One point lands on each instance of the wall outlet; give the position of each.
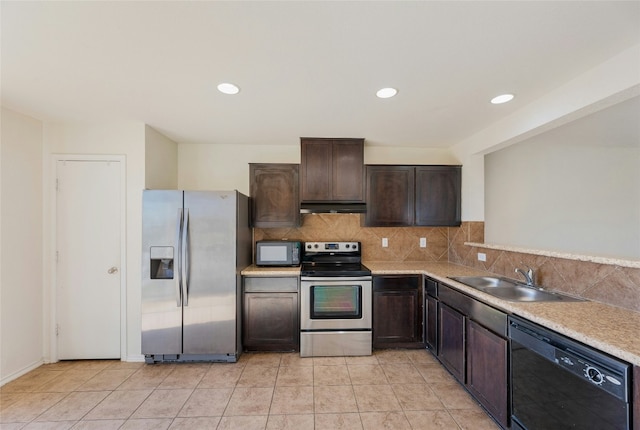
(482, 256)
(423, 242)
(385, 242)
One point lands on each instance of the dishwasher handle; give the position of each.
(532, 340)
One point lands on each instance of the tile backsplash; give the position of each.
(404, 242)
(606, 283)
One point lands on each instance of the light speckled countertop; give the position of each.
(254, 270)
(607, 328)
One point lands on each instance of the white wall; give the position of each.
(119, 138)
(220, 167)
(607, 84)
(569, 190)
(225, 167)
(403, 155)
(21, 258)
(161, 161)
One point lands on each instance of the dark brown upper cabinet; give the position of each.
(438, 195)
(390, 196)
(332, 170)
(274, 195)
(413, 195)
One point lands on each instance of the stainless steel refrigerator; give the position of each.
(194, 245)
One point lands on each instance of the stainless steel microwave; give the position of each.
(278, 253)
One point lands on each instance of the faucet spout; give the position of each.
(529, 275)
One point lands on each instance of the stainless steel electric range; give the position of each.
(335, 301)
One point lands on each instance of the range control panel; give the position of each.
(332, 246)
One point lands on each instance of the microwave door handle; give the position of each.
(185, 258)
(178, 269)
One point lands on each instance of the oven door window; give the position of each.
(336, 302)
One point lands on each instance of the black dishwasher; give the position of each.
(558, 383)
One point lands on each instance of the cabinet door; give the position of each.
(438, 191)
(348, 170)
(636, 397)
(397, 312)
(332, 170)
(315, 170)
(451, 341)
(271, 322)
(390, 196)
(487, 374)
(274, 195)
(431, 323)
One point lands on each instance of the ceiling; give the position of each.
(304, 68)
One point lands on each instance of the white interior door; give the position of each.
(88, 259)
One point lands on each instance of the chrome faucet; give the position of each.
(529, 275)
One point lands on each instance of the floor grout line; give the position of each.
(390, 365)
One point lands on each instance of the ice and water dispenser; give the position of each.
(162, 262)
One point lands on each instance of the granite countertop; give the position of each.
(254, 270)
(613, 330)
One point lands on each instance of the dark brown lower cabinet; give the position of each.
(473, 346)
(271, 322)
(451, 348)
(270, 315)
(487, 377)
(397, 311)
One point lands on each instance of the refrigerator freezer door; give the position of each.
(210, 306)
(161, 298)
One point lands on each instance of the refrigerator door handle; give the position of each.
(185, 258)
(178, 278)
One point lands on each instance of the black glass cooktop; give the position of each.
(334, 269)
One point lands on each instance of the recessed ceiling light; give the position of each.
(228, 88)
(386, 93)
(502, 99)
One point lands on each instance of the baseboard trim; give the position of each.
(135, 358)
(23, 371)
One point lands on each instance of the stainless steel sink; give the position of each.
(481, 282)
(511, 290)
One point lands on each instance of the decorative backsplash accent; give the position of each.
(605, 283)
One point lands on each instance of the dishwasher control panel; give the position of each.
(609, 380)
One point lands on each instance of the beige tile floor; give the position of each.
(392, 389)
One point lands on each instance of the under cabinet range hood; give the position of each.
(333, 208)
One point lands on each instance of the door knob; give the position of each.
(112, 270)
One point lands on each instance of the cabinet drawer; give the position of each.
(455, 299)
(491, 318)
(396, 282)
(431, 287)
(269, 284)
